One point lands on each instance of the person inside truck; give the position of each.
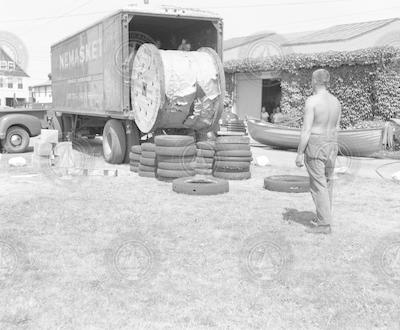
(185, 46)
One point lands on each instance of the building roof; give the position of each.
(46, 83)
(17, 72)
(241, 41)
(340, 32)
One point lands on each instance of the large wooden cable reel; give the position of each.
(177, 89)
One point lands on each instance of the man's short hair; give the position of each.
(321, 77)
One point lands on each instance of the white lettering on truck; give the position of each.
(78, 56)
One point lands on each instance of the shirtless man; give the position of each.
(318, 148)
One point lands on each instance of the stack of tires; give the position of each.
(233, 158)
(147, 167)
(205, 158)
(175, 156)
(134, 158)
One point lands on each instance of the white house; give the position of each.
(13, 82)
(41, 93)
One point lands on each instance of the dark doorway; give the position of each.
(271, 96)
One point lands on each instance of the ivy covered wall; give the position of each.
(367, 82)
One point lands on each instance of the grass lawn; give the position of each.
(128, 253)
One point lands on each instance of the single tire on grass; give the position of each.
(232, 175)
(148, 161)
(205, 153)
(173, 140)
(136, 149)
(174, 174)
(234, 153)
(200, 186)
(148, 147)
(187, 151)
(176, 166)
(287, 183)
(148, 154)
(227, 147)
(114, 142)
(144, 168)
(233, 139)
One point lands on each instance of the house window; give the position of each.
(3, 65)
(20, 85)
(10, 83)
(1, 82)
(11, 65)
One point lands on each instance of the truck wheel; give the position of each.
(114, 142)
(16, 141)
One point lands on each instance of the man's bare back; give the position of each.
(327, 111)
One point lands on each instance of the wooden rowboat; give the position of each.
(358, 142)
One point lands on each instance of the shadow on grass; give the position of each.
(301, 217)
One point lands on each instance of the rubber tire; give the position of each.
(233, 159)
(134, 168)
(189, 150)
(172, 159)
(200, 171)
(231, 146)
(134, 163)
(148, 147)
(24, 135)
(136, 149)
(173, 140)
(205, 153)
(205, 145)
(234, 165)
(193, 186)
(174, 174)
(160, 178)
(232, 176)
(117, 149)
(234, 153)
(148, 154)
(205, 160)
(148, 161)
(287, 183)
(145, 168)
(203, 166)
(233, 139)
(147, 174)
(134, 157)
(176, 166)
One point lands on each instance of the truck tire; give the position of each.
(205, 153)
(176, 159)
(145, 168)
(287, 183)
(233, 165)
(204, 160)
(148, 154)
(176, 166)
(200, 186)
(136, 149)
(175, 173)
(173, 140)
(231, 146)
(134, 157)
(114, 142)
(233, 139)
(232, 175)
(233, 159)
(148, 147)
(16, 141)
(205, 145)
(200, 171)
(148, 161)
(185, 151)
(234, 153)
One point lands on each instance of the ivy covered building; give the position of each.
(367, 81)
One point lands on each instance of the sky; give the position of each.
(40, 23)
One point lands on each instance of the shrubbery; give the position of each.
(367, 82)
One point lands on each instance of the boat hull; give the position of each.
(357, 143)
